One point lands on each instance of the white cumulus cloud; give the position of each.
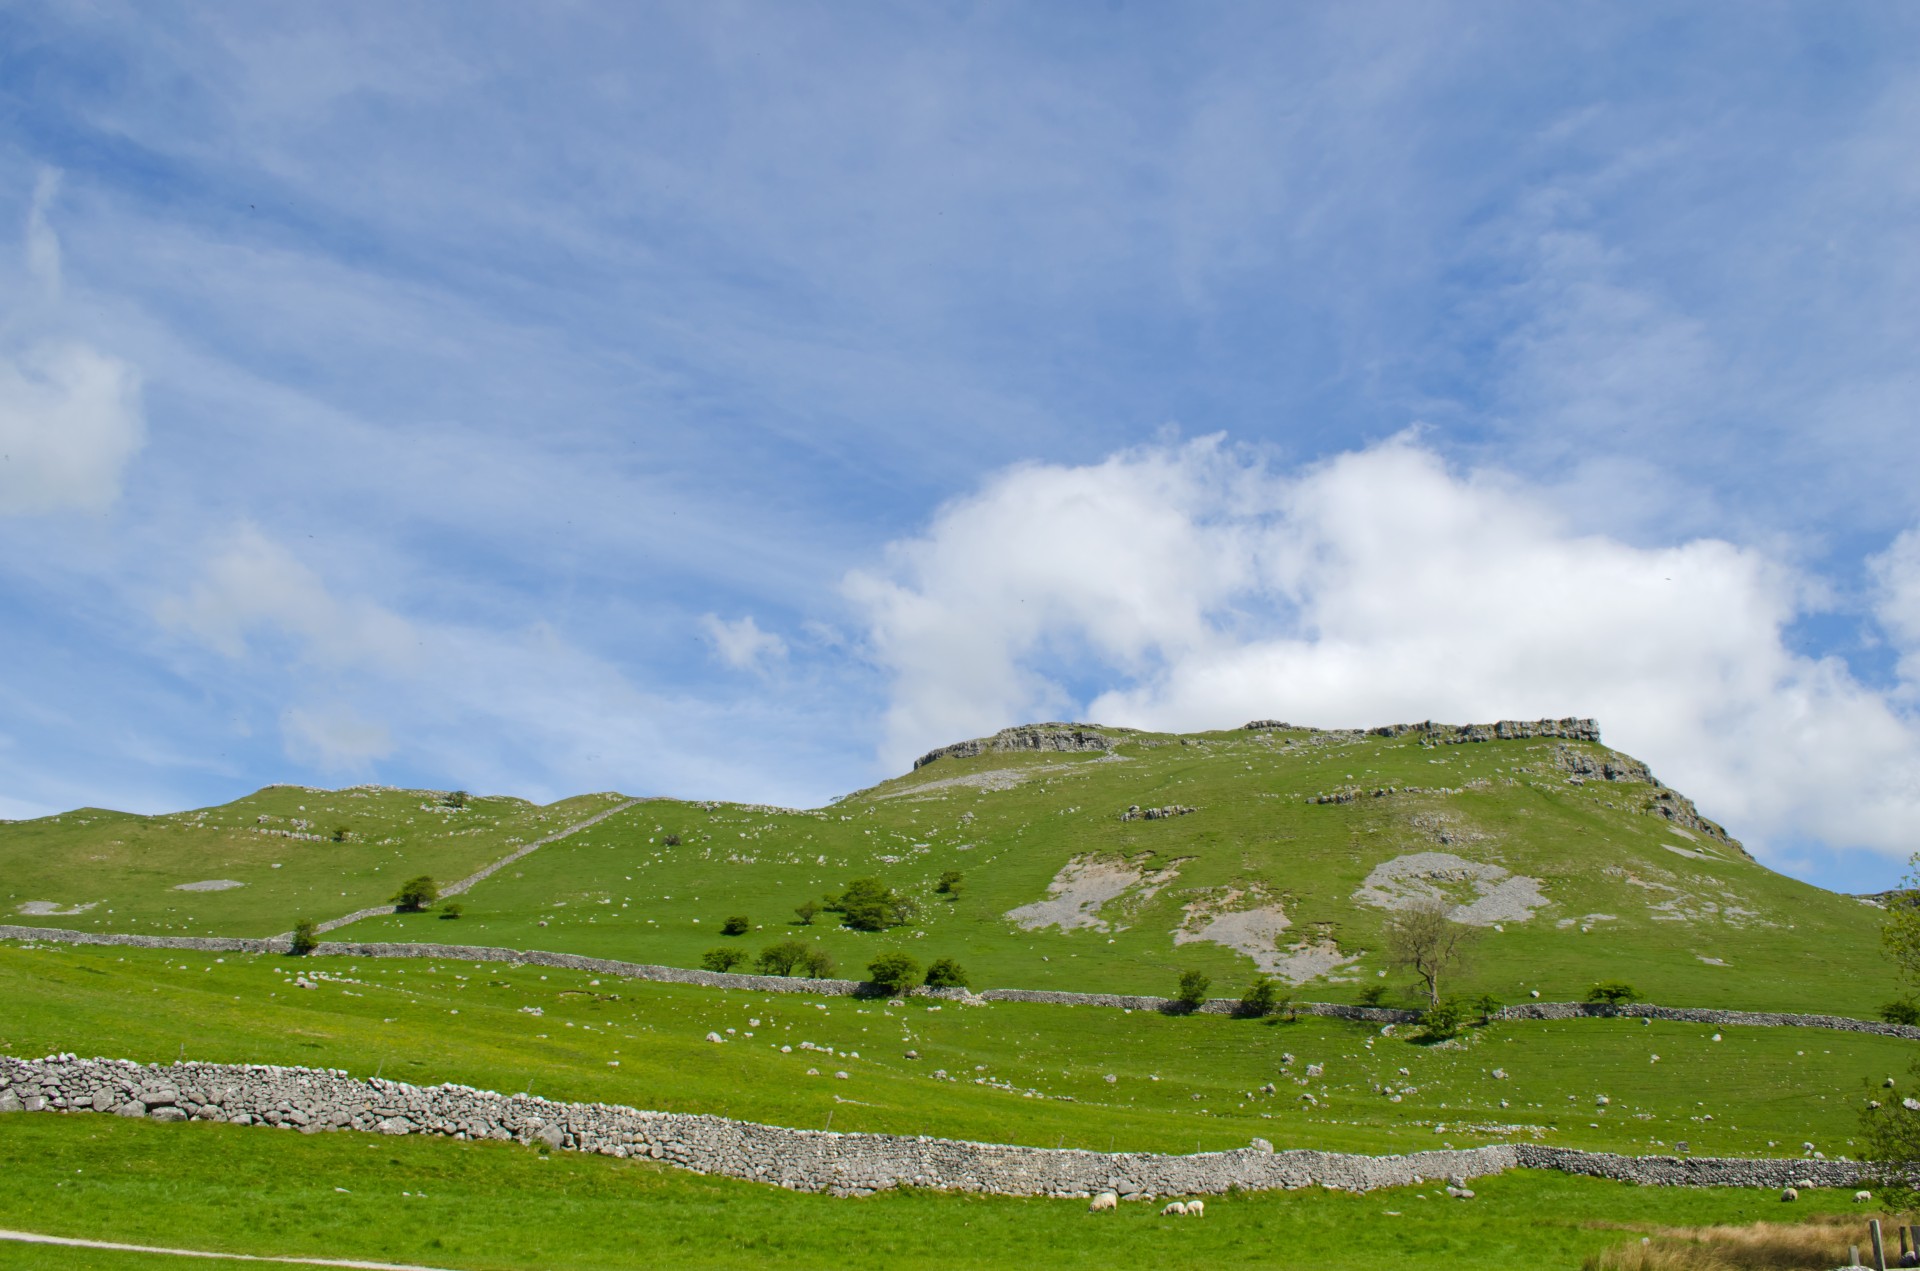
(334, 738)
(1193, 586)
(741, 644)
(70, 419)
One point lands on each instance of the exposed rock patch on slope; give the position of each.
(1068, 738)
(1481, 895)
(1250, 922)
(1087, 884)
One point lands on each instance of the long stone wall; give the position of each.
(859, 988)
(315, 1099)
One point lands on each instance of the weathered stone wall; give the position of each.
(313, 1099)
(858, 988)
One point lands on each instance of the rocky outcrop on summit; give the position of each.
(1450, 734)
(1065, 738)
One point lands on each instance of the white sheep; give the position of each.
(1790, 1194)
(1173, 1207)
(1861, 1198)
(1196, 1209)
(1105, 1200)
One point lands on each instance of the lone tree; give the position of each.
(894, 972)
(1425, 940)
(945, 973)
(306, 938)
(949, 884)
(870, 905)
(1261, 998)
(416, 894)
(735, 926)
(1612, 994)
(805, 911)
(723, 959)
(1193, 989)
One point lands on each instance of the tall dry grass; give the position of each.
(1818, 1244)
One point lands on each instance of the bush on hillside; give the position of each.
(735, 926)
(782, 958)
(452, 909)
(1444, 1019)
(945, 973)
(1904, 1011)
(870, 905)
(416, 894)
(456, 799)
(723, 959)
(1612, 993)
(1193, 989)
(805, 911)
(1261, 997)
(306, 938)
(894, 972)
(1485, 1006)
(949, 884)
(1373, 995)
(672, 840)
(815, 964)
(340, 833)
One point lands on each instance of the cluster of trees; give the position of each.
(894, 972)
(867, 904)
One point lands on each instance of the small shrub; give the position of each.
(735, 926)
(1485, 1005)
(945, 973)
(452, 909)
(949, 884)
(1612, 993)
(1373, 995)
(722, 959)
(815, 964)
(456, 799)
(894, 972)
(805, 911)
(672, 840)
(1193, 989)
(340, 833)
(1904, 1011)
(416, 894)
(782, 958)
(1260, 998)
(306, 938)
(1444, 1020)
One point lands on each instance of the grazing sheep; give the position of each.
(1105, 1200)
(1196, 1209)
(1173, 1207)
(1790, 1194)
(1862, 1198)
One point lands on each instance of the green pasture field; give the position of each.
(113, 871)
(1687, 919)
(1019, 1072)
(479, 1206)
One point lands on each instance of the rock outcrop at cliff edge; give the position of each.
(1065, 738)
(1569, 729)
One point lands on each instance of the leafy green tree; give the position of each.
(945, 973)
(1485, 1006)
(1612, 994)
(894, 972)
(737, 925)
(870, 905)
(782, 958)
(1889, 1121)
(1443, 1019)
(1193, 989)
(416, 894)
(1901, 1011)
(722, 959)
(1426, 940)
(1373, 995)
(949, 884)
(1260, 998)
(805, 911)
(815, 964)
(306, 938)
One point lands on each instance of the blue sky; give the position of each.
(735, 400)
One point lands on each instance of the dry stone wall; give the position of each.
(315, 1099)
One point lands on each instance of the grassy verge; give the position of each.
(1017, 1073)
(498, 1206)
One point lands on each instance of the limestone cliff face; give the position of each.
(1454, 734)
(1028, 737)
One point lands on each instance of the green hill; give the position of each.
(1277, 849)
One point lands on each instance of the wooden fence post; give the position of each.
(1879, 1250)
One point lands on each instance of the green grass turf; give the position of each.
(1623, 904)
(500, 1206)
(122, 872)
(1181, 1083)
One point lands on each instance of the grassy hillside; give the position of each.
(1593, 885)
(292, 851)
(1013, 1072)
(498, 1206)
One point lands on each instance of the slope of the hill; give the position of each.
(1276, 848)
(250, 867)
